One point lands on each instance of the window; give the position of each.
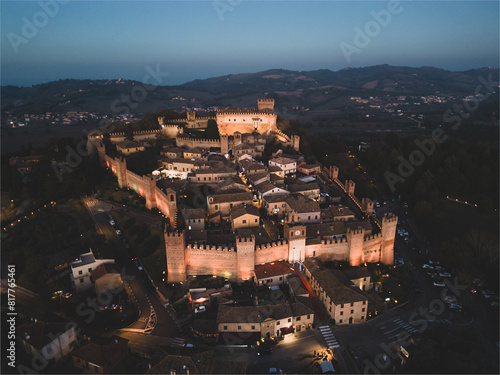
(352, 304)
(278, 323)
(364, 279)
(199, 220)
(298, 318)
(289, 320)
(314, 253)
(255, 220)
(308, 316)
(216, 206)
(363, 309)
(352, 311)
(239, 328)
(364, 302)
(340, 321)
(341, 313)
(244, 221)
(309, 218)
(90, 269)
(253, 327)
(342, 306)
(225, 328)
(281, 278)
(362, 317)
(80, 272)
(230, 205)
(315, 216)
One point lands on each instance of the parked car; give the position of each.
(265, 350)
(455, 306)
(427, 266)
(118, 232)
(450, 299)
(444, 274)
(487, 294)
(438, 283)
(112, 222)
(274, 370)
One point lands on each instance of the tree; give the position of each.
(212, 131)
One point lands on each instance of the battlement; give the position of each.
(245, 239)
(265, 103)
(173, 234)
(334, 241)
(198, 140)
(270, 245)
(355, 231)
(210, 247)
(373, 237)
(283, 135)
(389, 217)
(266, 114)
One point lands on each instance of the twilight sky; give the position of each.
(201, 39)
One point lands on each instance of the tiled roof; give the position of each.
(104, 355)
(356, 273)
(274, 198)
(282, 160)
(294, 188)
(232, 197)
(266, 186)
(326, 229)
(301, 204)
(243, 209)
(193, 213)
(104, 269)
(365, 224)
(40, 333)
(272, 269)
(128, 144)
(334, 288)
(299, 309)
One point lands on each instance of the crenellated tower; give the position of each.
(175, 247)
(295, 234)
(389, 224)
(245, 255)
(355, 239)
(265, 104)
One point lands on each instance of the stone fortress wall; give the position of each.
(237, 261)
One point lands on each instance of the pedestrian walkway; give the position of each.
(178, 341)
(330, 339)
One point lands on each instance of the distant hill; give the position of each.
(316, 89)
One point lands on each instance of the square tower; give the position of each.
(265, 104)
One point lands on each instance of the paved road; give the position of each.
(145, 295)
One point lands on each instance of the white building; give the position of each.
(287, 165)
(82, 268)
